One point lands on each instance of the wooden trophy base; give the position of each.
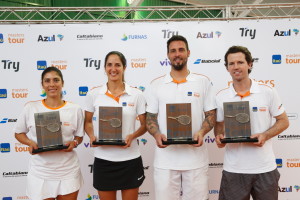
(110, 142)
(180, 141)
(50, 148)
(239, 140)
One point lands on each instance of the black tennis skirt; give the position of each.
(111, 176)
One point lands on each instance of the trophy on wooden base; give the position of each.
(237, 122)
(48, 132)
(110, 126)
(179, 124)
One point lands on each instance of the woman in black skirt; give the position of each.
(117, 167)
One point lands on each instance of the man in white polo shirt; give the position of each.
(180, 167)
(249, 168)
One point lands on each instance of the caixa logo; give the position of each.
(4, 147)
(11, 65)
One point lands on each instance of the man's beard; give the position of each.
(178, 67)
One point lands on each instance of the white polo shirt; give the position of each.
(133, 103)
(197, 90)
(264, 105)
(53, 165)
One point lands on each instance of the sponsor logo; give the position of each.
(288, 137)
(198, 61)
(254, 109)
(14, 174)
(8, 64)
(168, 33)
(5, 120)
(214, 191)
(282, 33)
(285, 189)
(292, 116)
(41, 64)
(266, 82)
(276, 59)
(44, 94)
(279, 162)
(22, 197)
(89, 37)
(89, 62)
(208, 35)
(138, 63)
(190, 93)
(262, 109)
(134, 37)
(83, 90)
(21, 147)
(1, 38)
(292, 59)
(296, 31)
(293, 162)
(124, 104)
(165, 62)
(4, 147)
(19, 93)
(143, 140)
(297, 187)
(144, 194)
(90, 197)
(3, 93)
(142, 88)
(7, 198)
(59, 64)
(215, 165)
(16, 38)
(246, 32)
(51, 38)
(87, 144)
(209, 140)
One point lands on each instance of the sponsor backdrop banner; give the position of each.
(79, 51)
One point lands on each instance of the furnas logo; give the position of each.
(208, 35)
(246, 32)
(165, 62)
(279, 162)
(168, 33)
(8, 64)
(83, 90)
(198, 61)
(138, 63)
(91, 197)
(134, 37)
(4, 147)
(89, 62)
(276, 59)
(1, 38)
(49, 38)
(3, 93)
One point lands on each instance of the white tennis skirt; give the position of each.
(38, 189)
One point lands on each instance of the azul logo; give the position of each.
(19, 93)
(5, 120)
(282, 33)
(168, 33)
(89, 62)
(209, 140)
(138, 63)
(165, 62)
(16, 38)
(246, 32)
(279, 162)
(1, 38)
(198, 61)
(3, 93)
(21, 148)
(49, 38)
(292, 163)
(41, 64)
(208, 35)
(5, 147)
(8, 64)
(83, 90)
(134, 37)
(143, 140)
(297, 187)
(276, 59)
(285, 189)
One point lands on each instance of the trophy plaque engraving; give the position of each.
(110, 126)
(48, 132)
(237, 122)
(179, 124)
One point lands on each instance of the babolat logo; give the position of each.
(279, 162)
(8, 64)
(246, 32)
(134, 37)
(83, 90)
(4, 147)
(198, 61)
(41, 64)
(89, 62)
(276, 59)
(1, 38)
(3, 93)
(168, 33)
(5, 120)
(282, 33)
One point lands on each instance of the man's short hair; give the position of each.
(239, 49)
(177, 38)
